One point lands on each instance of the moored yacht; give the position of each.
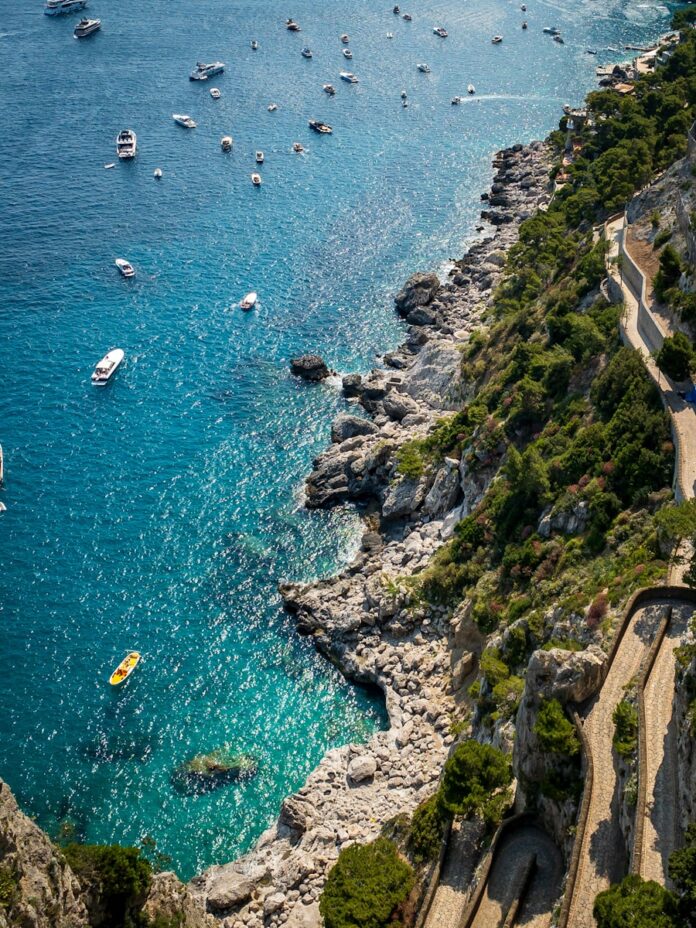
(126, 144)
(396, 10)
(524, 25)
(330, 89)
(321, 127)
(345, 38)
(306, 52)
(424, 68)
(106, 368)
(292, 26)
(59, 7)
(407, 17)
(254, 44)
(298, 148)
(348, 77)
(157, 173)
(182, 119)
(272, 107)
(497, 39)
(125, 267)
(559, 38)
(86, 27)
(203, 71)
(441, 31)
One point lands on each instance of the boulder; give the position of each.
(399, 405)
(305, 916)
(444, 491)
(229, 889)
(292, 815)
(403, 498)
(273, 903)
(362, 768)
(168, 898)
(419, 290)
(345, 426)
(352, 385)
(310, 367)
(569, 676)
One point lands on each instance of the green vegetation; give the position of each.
(427, 829)
(555, 732)
(366, 886)
(476, 781)
(669, 273)
(9, 886)
(116, 880)
(635, 903)
(682, 872)
(625, 738)
(676, 357)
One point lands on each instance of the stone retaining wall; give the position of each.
(648, 325)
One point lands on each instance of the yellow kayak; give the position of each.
(125, 668)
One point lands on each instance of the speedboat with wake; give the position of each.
(321, 127)
(106, 368)
(86, 27)
(455, 101)
(249, 300)
(182, 119)
(348, 77)
(125, 267)
(126, 144)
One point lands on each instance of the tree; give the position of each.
(676, 357)
(555, 732)
(427, 827)
(365, 886)
(635, 903)
(475, 781)
(114, 878)
(682, 872)
(669, 273)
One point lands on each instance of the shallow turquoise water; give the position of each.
(161, 512)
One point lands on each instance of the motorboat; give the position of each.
(157, 173)
(226, 143)
(390, 35)
(86, 27)
(254, 44)
(306, 52)
(345, 38)
(203, 71)
(424, 68)
(548, 30)
(272, 107)
(347, 53)
(106, 368)
(107, 167)
(321, 127)
(497, 39)
(455, 101)
(554, 30)
(404, 103)
(182, 119)
(125, 668)
(215, 93)
(524, 25)
(590, 51)
(60, 7)
(407, 17)
(348, 77)
(256, 179)
(441, 31)
(559, 39)
(471, 89)
(298, 148)
(330, 89)
(403, 94)
(126, 144)
(292, 26)
(249, 300)
(259, 157)
(396, 11)
(125, 267)
(524, 7)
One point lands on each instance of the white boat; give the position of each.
(455, 101)
(559, 39)
(497, 39)
(272, 107)
(2, 467)
(256, 179)
(424, 68)
(203, 71)
(182, 119)
(254, 44)
(125, 267)
(86, 27)
(390, 35)
(407, 17)
(330, 89)
(347, 53)
(226, 143)
(259, 157)
(441, 31)
(157, 173)
(321, 127)
(345, 38)
(403, 94)
(298, 148)
(306, 52)
(471, 89)
(396, 10)
(59, 7)
(107, 167)
(106, 368)
(348, 77)
(292, 26)
(249, 300)
(3, 507)
(126, 144)
(215, 93)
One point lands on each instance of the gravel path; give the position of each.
(457, 873)
(662, 822)
(603, 854)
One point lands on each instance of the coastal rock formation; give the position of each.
(205, 772)
(169, 898)
(310, 367)
(365, 620)
(39, 888)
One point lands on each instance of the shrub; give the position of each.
(662, 238)
(676, 357)
(635, 903)
(116, 878)
(365, 886)
(9, 886)
(669, 273)
(597, 610)
(682, 872)
(555, 732)
(625, 738)
(427, 827)
(409, 460)
(475, 781)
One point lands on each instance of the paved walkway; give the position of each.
(603, 857)
(451, 895)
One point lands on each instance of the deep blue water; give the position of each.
(160, 512)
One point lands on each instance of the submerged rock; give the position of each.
(310, 367)
(206, 772)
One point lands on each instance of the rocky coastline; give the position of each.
(363, 620)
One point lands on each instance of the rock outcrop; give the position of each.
(310, 367)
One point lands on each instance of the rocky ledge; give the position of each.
(364, 620)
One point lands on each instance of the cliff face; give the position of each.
(37, 887)
(684, 694)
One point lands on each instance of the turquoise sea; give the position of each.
(161, 512)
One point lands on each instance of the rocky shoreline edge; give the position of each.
(363, 620)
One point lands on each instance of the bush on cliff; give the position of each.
(115, 880)
(669, 272)
(555, 732)
(682, 872)
(635, 903)
(427, 829)
(476, 781)
(366, 886)
(676, 357)
(625, 719)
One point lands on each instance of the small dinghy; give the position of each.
(306, 52)
(256, 179)
(424, 68)
(254, 44)
(107, 367)
(345, 38)
(497, 39)
(125, 267)
(259, 157)
(347, 53)
(407, 17)
(396, 10)
(525, 26)
(125, 668)
(249, 301)
(215, 93)
(330, 89)
(226, 143)
(157, 173)
(298, 148)
(390, 35)
(107, 167)
(455, 101)
(471, 89)
(272, 107)
(292, 26)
